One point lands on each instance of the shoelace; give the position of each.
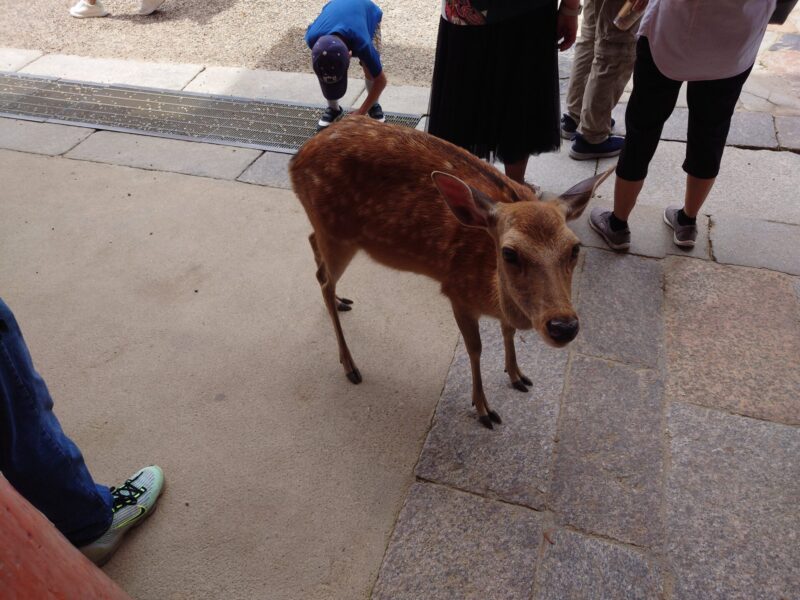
(126, 494)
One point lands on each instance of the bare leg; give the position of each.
(625, 196)
(518, 380)
(516, 170)
(472, 340)
(697, 191)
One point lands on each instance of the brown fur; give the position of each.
(366, 185)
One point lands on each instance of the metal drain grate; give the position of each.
(277, 126)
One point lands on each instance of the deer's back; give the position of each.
(369, 184)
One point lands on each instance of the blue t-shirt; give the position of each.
(354, 20)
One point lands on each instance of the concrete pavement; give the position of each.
(168, 298)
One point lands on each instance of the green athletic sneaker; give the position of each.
(134, 501)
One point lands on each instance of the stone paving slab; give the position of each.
(267, 85)
(451, 545)
(650, 236)
(752, 183)
(675, 127)
(788, 132)
(40, 138)
(160, 154)
(608, 466)
(13, 59)
(401, 99)
(733, 516)
(754, 243)
(511, 462)
(555, 172)
(733, 339)
(578, 567)
(107, 70)
(612, 285)
(271, 169)
(751, 129)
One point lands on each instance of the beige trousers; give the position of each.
(603, 63)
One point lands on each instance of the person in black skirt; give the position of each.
(495, 80)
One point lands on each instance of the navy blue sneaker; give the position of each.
(583, 150)
(376, 112)
(568, 127)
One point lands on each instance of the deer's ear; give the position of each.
(470, 206)
(576, 198)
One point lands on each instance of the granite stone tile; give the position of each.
(13, 59)
(512, 461)
(676, 125)
(751, 183)
(271, 169)
(733, 339)
(109, 70)
(788, 132)
(733, 515)
(754, 129)
(160, 154)
(451, 545)
(619, 306)
(650, 236)
(578, 567)
(755, 243)
(555, 172)
(40, 138)
(608, 468)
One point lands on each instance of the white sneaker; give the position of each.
(83, 10)
(148, 6)
(133, 502)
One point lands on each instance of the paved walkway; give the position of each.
(656, 457)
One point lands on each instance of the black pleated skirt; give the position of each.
(495, 87)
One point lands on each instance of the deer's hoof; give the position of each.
(495, 417)
(343, 307)
(345, 300)
(525, 380)
(486, 421)
(519, 385)
(354, 376)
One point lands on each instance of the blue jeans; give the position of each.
(36, 457)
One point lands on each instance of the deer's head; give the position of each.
(536, 252)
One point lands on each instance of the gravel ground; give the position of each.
(264, 34)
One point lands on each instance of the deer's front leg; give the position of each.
(468, 325)
(518, 380)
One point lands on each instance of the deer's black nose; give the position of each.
(562, 330)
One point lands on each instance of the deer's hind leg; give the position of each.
(342, 304)
(332, 260)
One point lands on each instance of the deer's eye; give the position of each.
(510, 256)
(576, 250)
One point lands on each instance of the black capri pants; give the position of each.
(711, 105)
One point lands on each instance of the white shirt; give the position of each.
(696, 40)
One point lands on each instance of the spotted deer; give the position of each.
(417, 203)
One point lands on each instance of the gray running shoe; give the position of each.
(684, 235)
(616, 240)
(134, 501)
